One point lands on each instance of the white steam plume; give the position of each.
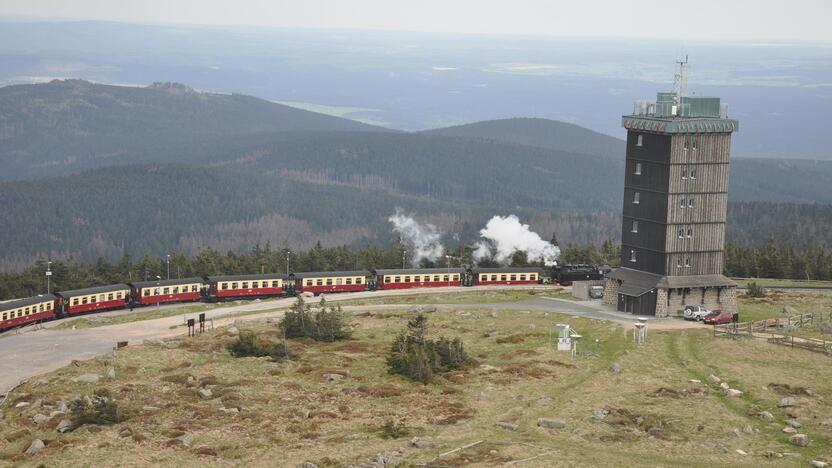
(506, 235)
(423, 240)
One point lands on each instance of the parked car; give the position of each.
(596, 292)
(695, 312)
(718, 317)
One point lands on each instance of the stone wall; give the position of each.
(725, 300)
(611, 292)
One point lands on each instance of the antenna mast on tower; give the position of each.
(680, 80)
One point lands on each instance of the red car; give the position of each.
(718, 317)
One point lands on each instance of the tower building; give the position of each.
(675, 202)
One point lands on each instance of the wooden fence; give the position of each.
(772, 330)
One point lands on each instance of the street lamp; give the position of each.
(404, 256)
(168, 260)
(288, 252)
(48, 275)
(158, 291)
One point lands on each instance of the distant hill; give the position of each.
(541, 133)
(68, 125)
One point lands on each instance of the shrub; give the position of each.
(825, 328)
(754, 290)
(394, 430)
(248, 345)
(100, 409)
(326, 324)
(418, 358)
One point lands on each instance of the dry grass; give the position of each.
(263, 413)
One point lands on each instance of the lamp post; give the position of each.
(168, 260)
(404, 256)
(448, 260)
(48, 275)
(158, 291)
(288, 252)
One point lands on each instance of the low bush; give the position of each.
(249, 345)
(418, 358)
(394, 430)
(325, 324)
(99, 409)
(754, 290)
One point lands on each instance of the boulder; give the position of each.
(111, 373)
(615, 368)
(150, 409)
(232, 331)
(748, 429)
(205, 393)
(794, 423)
(766, 416)
(87, 378)
(786, 402)
(205, 450)
(742, 452)
(818, 464)
(714, 379)
(37, 404)
(66, 425)
(789, 430)
(126, 432)
(61, 406)
(599, 414)
(186, 439)
(419, 442)
(40, 418)
(333, 377)
(551, 423)
(801, 440)
(22, 404)
(308, 465)
(36, 446)
(733, 393)
(507, 425)
(695, 381)
(789, 310)
(492, 313)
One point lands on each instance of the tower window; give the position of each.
(638, 169)
(633, 256)
(686, 144)
(678, 263)
(635, 226)
(684, 173)
(639, 140)
(681, 233)
(693, 173)
(690, 233)
(687, 262)
(690, 203)
(694, 144)
(682, 203)
(636, 197)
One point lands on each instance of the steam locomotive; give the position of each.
(61, 304)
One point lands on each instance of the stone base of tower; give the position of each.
(642, 293)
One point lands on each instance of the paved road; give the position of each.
(40, 351)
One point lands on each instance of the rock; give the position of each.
(87, 378)
(205, 393)
(232, 331)
(733, 392)
(36, 446)
(308, 465)
(111, 373)
(772, 454)
(714, 379)
(492, 313)
(507, 425)
(695, 381)
(786, 402)
(742, 452)
(551, 423)
(37, 404)
(40, 418)
(794, 423)
(615, 368)
(186, 439)
(42, 382)
(737, 432)
(789, 430)
(66, 425)
(191, 382)
(801, 440)
(724, 386)
(748, 429)
(56, 413)
(147, 435)
(790, 455)
(22, 404)
(150, 409)
(818, 464)
(126, 432)
(599, 414)
(61, 406)
(419, 442)
(766, 416)
(333, 377)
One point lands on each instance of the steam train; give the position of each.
(19, 312)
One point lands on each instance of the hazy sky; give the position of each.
(761, 20)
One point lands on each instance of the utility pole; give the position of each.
(448, 260)
(48, 274)
(168, 260)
